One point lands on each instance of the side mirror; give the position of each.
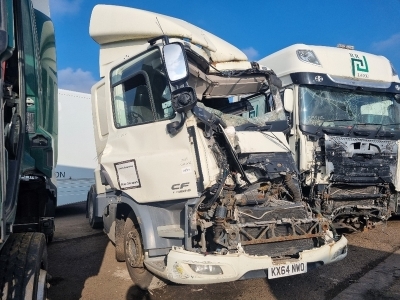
(288, 100)
(175, 63)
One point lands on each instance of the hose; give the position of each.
(215, 196)
(293, 187)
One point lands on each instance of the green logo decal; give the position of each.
(358, 64)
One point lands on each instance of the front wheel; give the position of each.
(134, 254)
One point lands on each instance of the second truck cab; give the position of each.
(343, 107)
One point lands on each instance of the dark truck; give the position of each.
(28, 153)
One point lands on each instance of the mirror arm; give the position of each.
(209, 119)
(183, 99)
(174, 127)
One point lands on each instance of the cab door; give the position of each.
(141, 158)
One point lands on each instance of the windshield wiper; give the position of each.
(390, 134)
(360, 132)
(331, 130)
(365, 132)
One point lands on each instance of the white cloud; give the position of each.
(75, 80)
(63, 7)
(252, 54)
(390, 43)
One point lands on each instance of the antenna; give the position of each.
(159, 25)
(163, 37)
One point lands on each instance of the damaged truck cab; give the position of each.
(343, 106)
(191, 185)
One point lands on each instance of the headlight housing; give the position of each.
(206, 269)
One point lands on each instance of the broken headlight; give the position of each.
(206, 269)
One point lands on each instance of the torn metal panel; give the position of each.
(210, 86)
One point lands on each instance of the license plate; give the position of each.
(288, 269)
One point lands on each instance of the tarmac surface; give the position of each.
(382, 282)
(83, 266)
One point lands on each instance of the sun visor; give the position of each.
(123, 31)
(225, 86)
(110, 24)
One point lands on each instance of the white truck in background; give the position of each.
(343, 107)
(190, 185)
(76, 149)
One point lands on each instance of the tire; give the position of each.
(119, 240)
(23, 267)
(94, 222)
(134, 254)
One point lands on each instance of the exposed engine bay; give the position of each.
(256, 206)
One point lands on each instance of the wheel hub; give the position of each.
(132, 248)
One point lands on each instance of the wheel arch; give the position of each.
(142, 218)
(150, 216)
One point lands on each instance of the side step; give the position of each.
(171, 231)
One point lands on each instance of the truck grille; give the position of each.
(286, 248)
(283, 231)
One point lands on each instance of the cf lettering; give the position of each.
(185, 184)
(179, 186)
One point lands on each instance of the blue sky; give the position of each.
(258, 27)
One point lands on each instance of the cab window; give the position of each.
(140, 91)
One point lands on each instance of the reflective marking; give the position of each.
(127, 174)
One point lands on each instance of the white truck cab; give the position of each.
(191, 185)
(343, 108)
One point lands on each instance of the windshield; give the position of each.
(255, 109)
(329, 107)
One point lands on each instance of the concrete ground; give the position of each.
(83, 266)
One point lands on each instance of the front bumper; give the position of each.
(235, 266)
